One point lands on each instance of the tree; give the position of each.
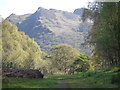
(105, 35)
(63, 56)
(18, 49)
(81, 64)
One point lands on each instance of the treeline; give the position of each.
(66, 59)
(105, 34)
(20, 51)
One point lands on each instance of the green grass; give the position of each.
(30, 83)
(90, 80)
(105, 78)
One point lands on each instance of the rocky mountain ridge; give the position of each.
(53, 27)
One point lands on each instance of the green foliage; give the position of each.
(66, 59)
(81, 64)
(64, 52)
(18, 49)
(63, 56)
(105, 35)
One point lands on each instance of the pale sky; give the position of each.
(20, 7)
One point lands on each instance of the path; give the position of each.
(78, 84)
(63, 84)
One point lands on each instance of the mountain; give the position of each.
(53, 27)
(17, 19)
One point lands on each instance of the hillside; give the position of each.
(53, 27)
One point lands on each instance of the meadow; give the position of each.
(105, 78)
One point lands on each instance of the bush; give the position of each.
(81, 63)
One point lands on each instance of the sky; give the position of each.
(20, 7)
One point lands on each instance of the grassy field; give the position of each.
(103, 79)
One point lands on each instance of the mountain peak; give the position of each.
(40, 8)
(42, 12)
(13, 14)
(52, 27)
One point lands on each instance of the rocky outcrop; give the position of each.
(22, 73)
